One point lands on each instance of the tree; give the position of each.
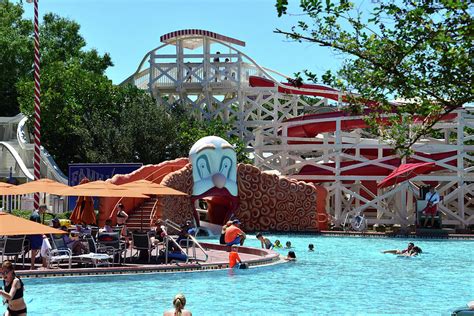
(60, 42)
(190, 130)
(85, 118)
(16, 54)
(70, 96)
(417, 51)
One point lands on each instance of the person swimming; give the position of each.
(415, 251)
(400, 252)
(277, 244)
(310, 247)
(288, 245)
(291, 256)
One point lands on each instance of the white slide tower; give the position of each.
(16, 152)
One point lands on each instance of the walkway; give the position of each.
(218, 259)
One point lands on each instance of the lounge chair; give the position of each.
(112, 244)
(97, 256)
(12, 246)
(356, 222)
(359, 223)
(93, 257)
(55, 255)
(141, 241)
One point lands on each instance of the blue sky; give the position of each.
(129, 29)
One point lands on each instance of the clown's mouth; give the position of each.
(220, 205)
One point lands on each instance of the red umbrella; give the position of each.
(405, 172)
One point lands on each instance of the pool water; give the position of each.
(343, 276)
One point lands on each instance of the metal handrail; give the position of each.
(167, 240)
(195, 243)
(172, 224)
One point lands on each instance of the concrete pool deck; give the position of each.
(218, 259)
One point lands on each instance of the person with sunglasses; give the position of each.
(12, 291)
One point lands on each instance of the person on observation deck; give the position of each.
(432, 206)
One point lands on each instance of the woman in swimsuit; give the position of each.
(122, 217)
(179, 302)
(12, 291)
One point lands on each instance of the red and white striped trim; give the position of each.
(37, 116)
(193, 32)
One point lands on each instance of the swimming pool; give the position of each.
(344, 276)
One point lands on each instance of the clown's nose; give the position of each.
(219, 180)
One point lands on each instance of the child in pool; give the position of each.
(265, 242)
(310, 247)
(291, 256)
(277, 244)
(288, 245)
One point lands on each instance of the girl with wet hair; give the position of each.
(179, 302)
(12, 292)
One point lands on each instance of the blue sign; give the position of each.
(93, 172)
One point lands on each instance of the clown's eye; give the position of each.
(203, 167)
(226, 164)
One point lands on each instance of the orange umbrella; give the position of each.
(11, 225)
(100, 189)
(148, 187)
(5, 188)
(84, 210)
(42, 185)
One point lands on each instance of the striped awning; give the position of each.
(190, 41)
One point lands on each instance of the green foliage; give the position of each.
(16, 54)
(47, 217)
(420, 52)
(190, 130)
(84, 117)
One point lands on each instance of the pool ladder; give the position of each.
(190, 243)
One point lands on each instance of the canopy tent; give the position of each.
(101, 189)
(151, 188)
(11, 225)
(41, 185)
(84, 210)
(406, 172)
